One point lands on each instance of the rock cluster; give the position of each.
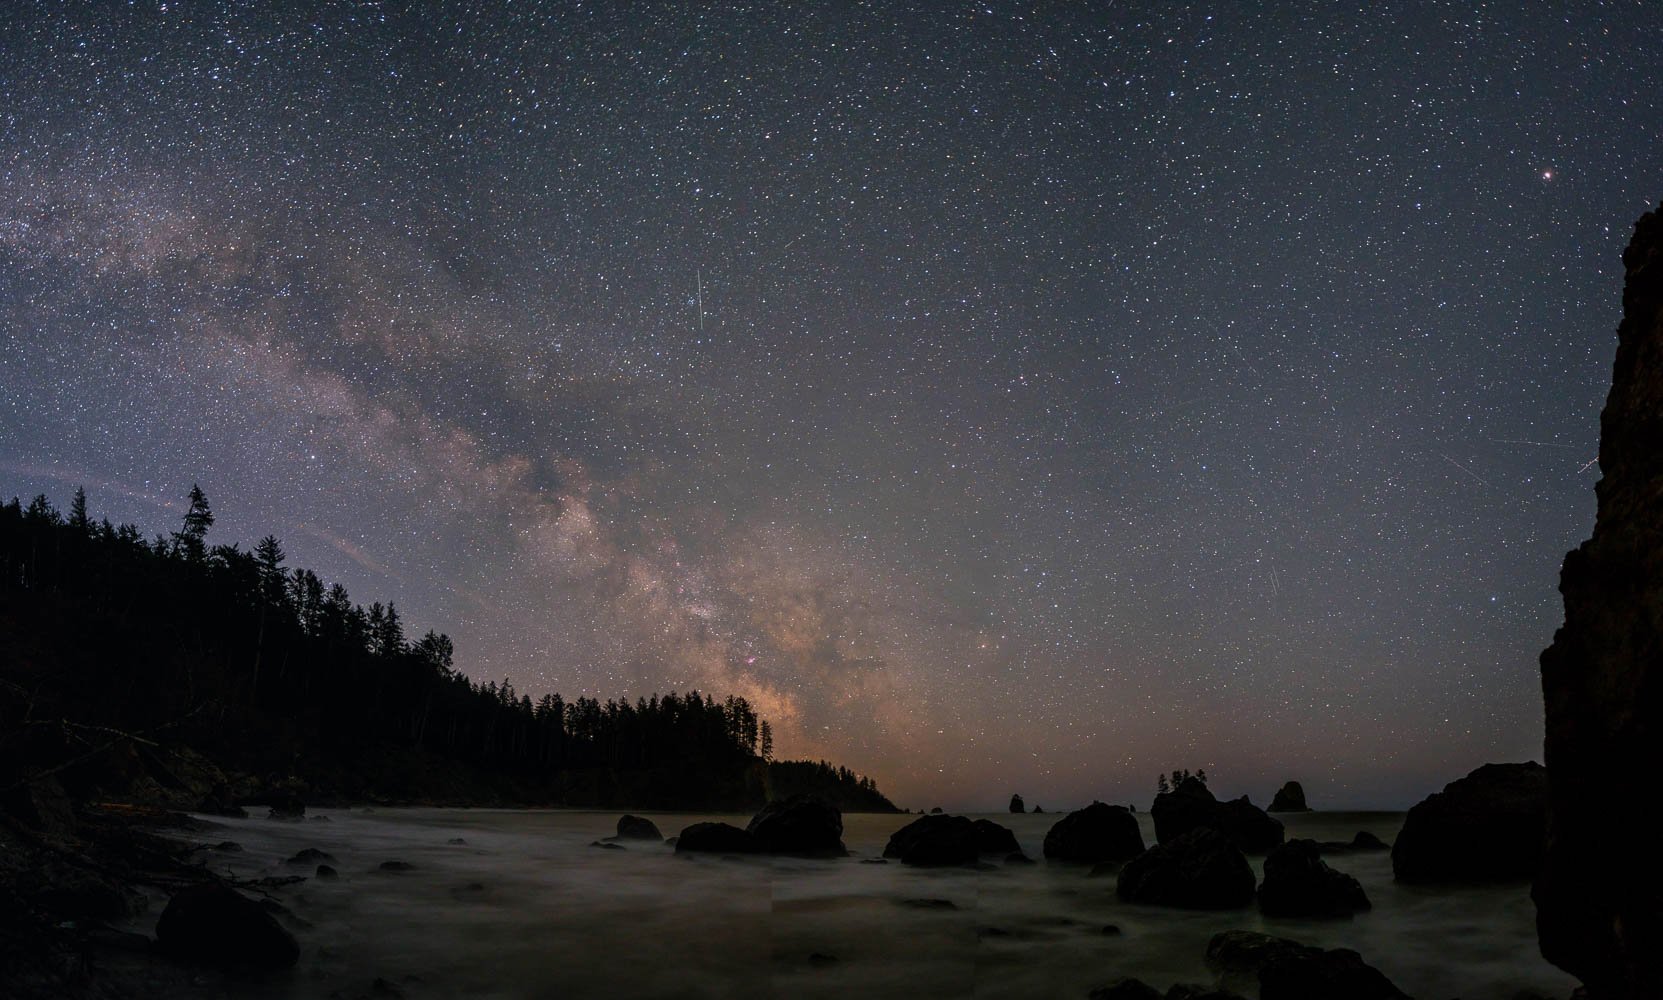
(803, 825)
(1191, 806)
(1288, 970)
(1597, 899)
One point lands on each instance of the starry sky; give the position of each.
(1003, 398)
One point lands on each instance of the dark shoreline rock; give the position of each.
(935, 840)
(715, 838)
(1201, 870)
(637, 828)
(1299, 884)
(1192, 806)
(212, 924)
(1288, 970)
(1289, 798)
(1602, 874)
(803, 825)
(1489, 826)
(1097, 834)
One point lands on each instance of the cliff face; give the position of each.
(1600, 896)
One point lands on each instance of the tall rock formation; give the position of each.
(1600, 896)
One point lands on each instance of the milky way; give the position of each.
(1001, 401)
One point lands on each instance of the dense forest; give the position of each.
(175, 651)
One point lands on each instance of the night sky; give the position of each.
(1002, 399)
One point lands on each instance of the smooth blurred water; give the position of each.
(527, 909)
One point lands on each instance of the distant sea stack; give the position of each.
(1290, 798)
(1016, 804)
(1599, 900)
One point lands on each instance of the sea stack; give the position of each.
(1599, 898)
(1290, 798)
(1016, 804)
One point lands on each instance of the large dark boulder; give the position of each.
(1290, 798)
(991, 838)
(804, 825)
(1298, 884)
(1016, 804)
(715, 838)
(1181, 810)
(1288, 970)
(1490, 825)
(1098, 833)
(1200, 870)
(637, 828)
(1597, 898)
(935, 841)
(215, 925)
(1249, 827)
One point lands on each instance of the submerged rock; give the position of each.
(327, 872)
(715, 838)
(1288, 970)
(397, 866)
(802, 825)
(935, 841)
(1016, 804)
(1098, 833)
(1490, 825)
(637, 828)
(1200, 870)
(1289, 798)
(312, 856)
(1125, 989)
(215, 925)
(606, 845)
(1602, 876)
(1298, 884)
(1366, 841)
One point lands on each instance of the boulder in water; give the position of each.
(1290, 798)
(1249, 827)
(312, 856)
(1016, 804)
(637, 828)
(1288, 970)
(1095, 834)
(1366, 841)
(215, 925)
(1298, 884)
(804, 825)
(1490, 825)
(1201, 870)
(991, 838)
(1125, 989)
(935, 841)
(1181, 810)
(715, 838)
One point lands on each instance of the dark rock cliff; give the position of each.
(1600, 896)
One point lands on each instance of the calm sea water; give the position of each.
(525, 908)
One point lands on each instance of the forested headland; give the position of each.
(169, 670)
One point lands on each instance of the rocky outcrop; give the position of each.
(1290, 798)
(1597, 899)
(805, 825)
(1288, 970)
(1191, 806)
(215, 925)
(1096, 834)
(637, 828)
(1181, 810)
(715, 838)
(935, 841)
(1016, 804)
(1298, 884)
(1125, 989)
(1201, 870)
(1490, 825)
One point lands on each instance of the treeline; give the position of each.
(245, 657)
